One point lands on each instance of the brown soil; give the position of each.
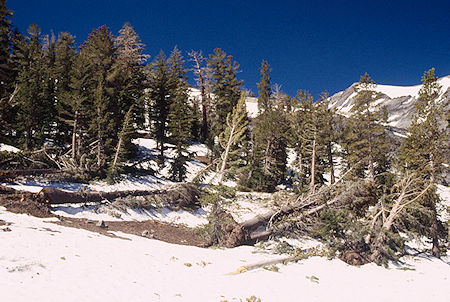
(28, 203)
(155, 229)
(352, 257)
(25, 203)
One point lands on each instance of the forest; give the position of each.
(79, 108)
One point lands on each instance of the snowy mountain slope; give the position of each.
(398, 99)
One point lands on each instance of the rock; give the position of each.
(88, 221)
(6, 229)
(145, 233)
(101, 224)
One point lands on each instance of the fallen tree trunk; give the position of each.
(305, 207)
(182, 195)
(56, 196)
(8, 174)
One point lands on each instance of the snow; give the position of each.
(96, 213)
(399, 91)
(8, 148)
(41, 261)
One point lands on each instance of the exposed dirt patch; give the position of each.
(352, 257)
(30, 203)
(25, 203)
(151, 229)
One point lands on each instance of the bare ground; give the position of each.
(29, 203)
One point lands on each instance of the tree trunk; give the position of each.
(74, 135)
(313, 166)
(331, 163)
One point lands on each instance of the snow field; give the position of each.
(41, 261)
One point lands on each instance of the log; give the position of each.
(5, 174)
(246, 268)
(184, 195)
(56, 196)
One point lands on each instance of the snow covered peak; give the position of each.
(399, 101)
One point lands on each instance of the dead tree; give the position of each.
(199, 70)
(407, 191)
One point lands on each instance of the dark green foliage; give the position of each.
(366, 140)
(180, 116)
(423, 153)
(160, 86)
(264, 88)
(32, 103)
(224, 85)
(7, 73)
(62, 72)
(268, 154)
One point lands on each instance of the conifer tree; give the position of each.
(31, 117)
(271, 135)
(366, 139)
(103, 128)
(130, 78)
(7, 73)
(62, 72)
(159, 98)
(264, 88)
(180, 115)
(202, 77)
(77, 105)
(125, 137)
(423, 150)
(224, 85)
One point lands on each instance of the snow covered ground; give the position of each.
(41, 261)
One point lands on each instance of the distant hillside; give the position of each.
(398, 99)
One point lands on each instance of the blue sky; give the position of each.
(312, 45)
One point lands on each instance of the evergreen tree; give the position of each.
(159, 84)
(76, 111)
(264, 88)
(224, 85)
(270, 156)
(424, 148)
(62, 72)
(202, 76)
(100, 53)
(366, 138)
(130, 78)
(31, 118)
(180, 115)
(7, 73)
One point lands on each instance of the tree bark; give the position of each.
(74, 135)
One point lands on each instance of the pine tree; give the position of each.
(270, 131)
(159, 100)
(130, 78)
(202, 76)
(100, 54)
(264, 88)
(7, 73)
(62, 72)
(31, 117)
(366, 137)
(224, 85)
(77, 105)
(180, 115)
(423, 150)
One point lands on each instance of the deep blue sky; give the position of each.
(313, 45)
